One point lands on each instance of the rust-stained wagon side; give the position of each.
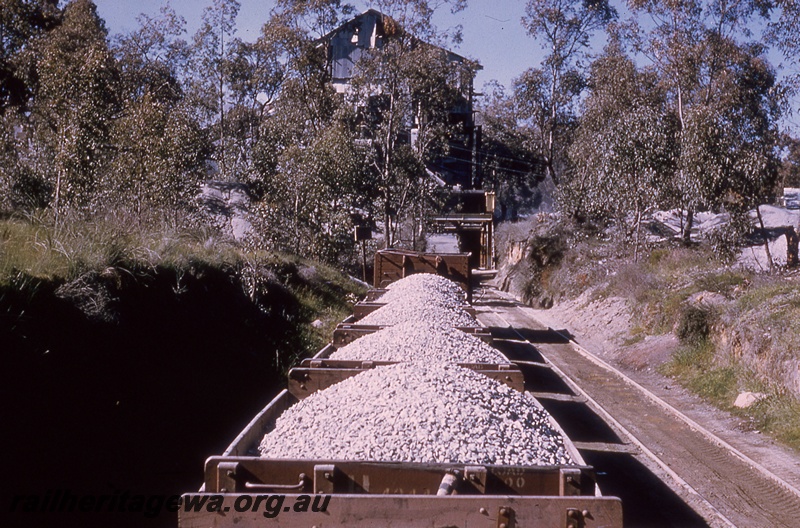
(391, 493)
(394, 264)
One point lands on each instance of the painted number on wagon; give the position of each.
(512, 482)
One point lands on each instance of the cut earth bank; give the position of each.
(603, 326)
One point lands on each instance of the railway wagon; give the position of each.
(248, 486)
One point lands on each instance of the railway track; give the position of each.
(667, 469)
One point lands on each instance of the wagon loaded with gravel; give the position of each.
(415, 423)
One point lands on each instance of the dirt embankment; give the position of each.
(739, 331)
(602, 324)
(678, 315)
(633, 311)
(126, 380)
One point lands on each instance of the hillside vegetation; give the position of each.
(135, 353)
(718, 328)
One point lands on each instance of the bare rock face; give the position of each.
(228, 203)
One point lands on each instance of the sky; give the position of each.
(492, 29)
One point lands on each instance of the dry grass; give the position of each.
(37, 246)
(79, 255)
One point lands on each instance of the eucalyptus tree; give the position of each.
(160, 149)
(699, 50)
(547, 94)
(211, 53)
(733, 139)
(255, 77)
(303, 154)
(310, 194)
(509, 164)
(319, 187)
(75, 100)
(623, 156)
(305, 102)
(20, 22)
(407, 86)
(153, 57)
(783, 30)
(789, 172)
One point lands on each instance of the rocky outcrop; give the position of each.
(228, 204)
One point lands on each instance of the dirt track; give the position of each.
(668, 468)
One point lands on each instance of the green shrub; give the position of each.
(694, 325)
(724, 281)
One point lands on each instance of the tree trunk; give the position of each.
(387, 224)
(792, 240)
(766, 239)
(57, 198)
(638, 233)
(551, 128)
(687, 227)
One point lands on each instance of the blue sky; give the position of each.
(493, 34)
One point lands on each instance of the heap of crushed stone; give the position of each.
(409, 413)
(420, 341)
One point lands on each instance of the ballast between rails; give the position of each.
(381, 493)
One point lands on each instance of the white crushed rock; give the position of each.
(421, 297)
(409, 413)
(418, 309)
(425, 285)
(748, 399)
(420, 341)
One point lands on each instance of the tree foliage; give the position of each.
(140, 120)
(510, 167)
(75, 101)
(789, 171)
(623, 156)
(548, 93)
(406, 85)
(160, 149)
(722, 92)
